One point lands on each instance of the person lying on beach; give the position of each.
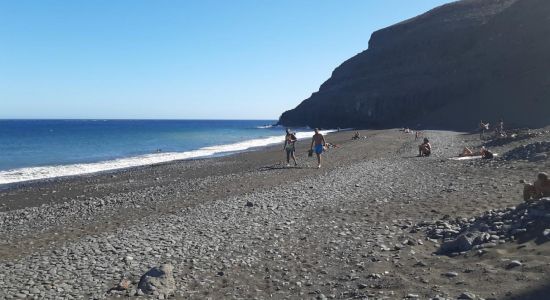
(290, 147)
(540, 188)
(329, 145)
(425, 149)
(319, 141)
(483, 152)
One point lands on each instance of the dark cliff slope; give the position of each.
(448, 68)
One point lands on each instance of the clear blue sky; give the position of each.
(183, 59)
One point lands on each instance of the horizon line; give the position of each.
(131, 119)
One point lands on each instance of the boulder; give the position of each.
(158, 280)
(460, 244)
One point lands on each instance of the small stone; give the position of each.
(374, 276)
(421, 264)
(124, 284)
(467, 296)
(451, 274)
(249, 204)
(412, 296)
(514, 263)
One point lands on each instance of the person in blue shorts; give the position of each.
(319, 141)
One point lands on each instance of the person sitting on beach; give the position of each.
(290, 147)
(425, 149)
(319, 141)
(356, 136)
(540, 188)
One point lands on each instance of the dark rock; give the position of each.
(513, 264)
(467, 296)
(158, 279)
(459, 55)
(460, 244)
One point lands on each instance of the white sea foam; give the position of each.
(37, 173)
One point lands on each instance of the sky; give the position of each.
(137, 59)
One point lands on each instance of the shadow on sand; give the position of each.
(540, 293)
(279, 167)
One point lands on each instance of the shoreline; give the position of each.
(57, 184)
(209, 152)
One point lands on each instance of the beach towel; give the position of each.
(470, 157)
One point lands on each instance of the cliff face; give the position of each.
(448, 68)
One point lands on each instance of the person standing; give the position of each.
(319, 141)
(500, 128)
(290, 147)
(482, 128)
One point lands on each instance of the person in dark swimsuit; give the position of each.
(290, 147)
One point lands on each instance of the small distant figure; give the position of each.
(483, 127)
(425, 149)
(319, 141)
(329, 146)
(356, 136)
(540, 188)
(483, 152)
(290, 147)
(158, 150)
(500, 129)
(418, 134)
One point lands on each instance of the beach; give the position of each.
(245, 226)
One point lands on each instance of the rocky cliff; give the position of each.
(448, 68)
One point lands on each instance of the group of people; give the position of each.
(499, 129)
(483, 152)
(425, 149)
(540, 188)
(318, 144)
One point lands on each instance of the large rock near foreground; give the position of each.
(448, 68)
(158, 280)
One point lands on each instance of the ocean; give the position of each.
(40, 149)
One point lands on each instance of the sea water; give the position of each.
(40, 149)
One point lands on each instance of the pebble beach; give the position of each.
(375, 222)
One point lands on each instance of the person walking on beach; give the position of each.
(290, 147)
(319, 141)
